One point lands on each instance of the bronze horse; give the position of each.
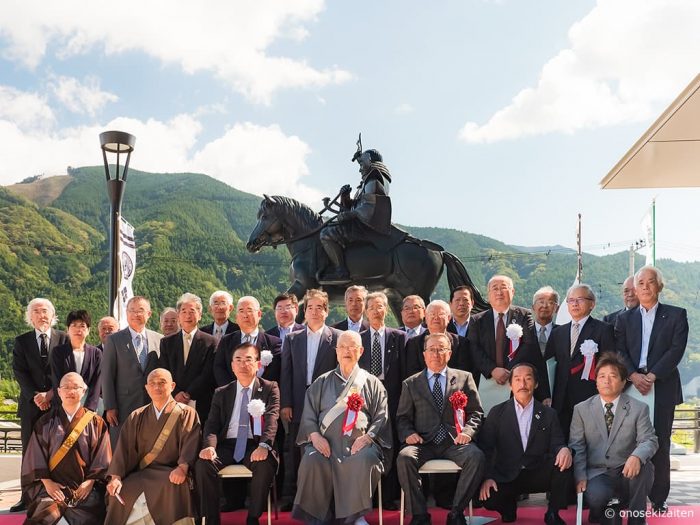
(400, 265)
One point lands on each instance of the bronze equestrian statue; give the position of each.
(357, 245)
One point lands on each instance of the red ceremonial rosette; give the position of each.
(459, 400)
(354, 404)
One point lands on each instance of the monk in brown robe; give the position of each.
(65, 465)
(157, 446)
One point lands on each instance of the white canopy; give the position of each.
(668, 154)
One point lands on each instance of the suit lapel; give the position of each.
(659, 321)
(582, 336)
(621, 413)
(424, 389)
(452, 387)
(511, 416)
(389, 350)
(537, 415)
(324, 346)
(490, 335)
(596, 409)
(129, 345)
(302, 351)
(636, 328)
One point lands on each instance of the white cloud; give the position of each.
(25, 110)
(403, 109)
(81, 97)
(626, 60)
(228, 38)
(252, 158)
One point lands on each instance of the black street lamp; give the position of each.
(119, 143)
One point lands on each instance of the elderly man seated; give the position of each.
(438, 418)
(345, 425)
(65, 465)
(157, 446)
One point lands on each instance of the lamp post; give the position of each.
(116, 143)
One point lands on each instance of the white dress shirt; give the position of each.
(355, 326)
(648, 317)
(313, 340)
(232, 432)
(524, 417)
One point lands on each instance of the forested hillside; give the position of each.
(191, 232)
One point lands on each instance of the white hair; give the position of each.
(36, 302)
(228, 296)
(650, 268)
(248, 298)
(546, 290)
(189, 298)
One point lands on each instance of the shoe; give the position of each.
(252, 521)
(230, 507)
(20, 506)
(390, 505)
(660, 508)
(508, 517)
(455, 518)
(551, 517)
(523, 497)
(420, 519)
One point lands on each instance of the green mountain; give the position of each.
(191, 232)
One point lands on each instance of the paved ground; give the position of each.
(685, 483)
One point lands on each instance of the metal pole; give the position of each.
(115, 189)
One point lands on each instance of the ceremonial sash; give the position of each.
(339, 407)
(162, 438)
(71, 439)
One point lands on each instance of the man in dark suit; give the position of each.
(169, 324)
(355, 307)
(432, 427)
(652, 339)
(129, 356)
(306, 354)
(220, 307)
(545, 303)
(613, 442)
(30, 364)
(189, 356)
(493, 353)
(569, 345)
(461, 304)
(437, 319)
(248, 316)
(629, 300)
(106, 327)
(232, 435)
(525, 451)
(286, 308)
(412, 316)
(382, 357)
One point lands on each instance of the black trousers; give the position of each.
(292, 460)
(546, 478)
(207, 478)
(663, 421)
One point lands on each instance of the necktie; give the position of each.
(186, 345)
(218, 332)
(246, 339)
(376, 357)
(500, 340)
(243, 424)
(141, 351)
(574, 337)
(439, 400)
(609, 416)
(542, 340)
(43, 347)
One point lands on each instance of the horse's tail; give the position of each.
(457, 275)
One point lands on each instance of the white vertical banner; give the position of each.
(127, 263)
(563, 315)
(648, 235)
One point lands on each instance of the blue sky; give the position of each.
(497, 117)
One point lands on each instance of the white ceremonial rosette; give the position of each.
(265, 359)
(256, 409)
(514, 332)
(589, 349)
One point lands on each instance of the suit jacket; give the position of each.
(196, 377)
(415, 362)
(230, 328)
(559, 347)
(452, 326)
(275, 330)
(293, 378)
(224, 353)
(123, 381)
(482, 338)
(669, 336)
(417, 411)
(595, 451)
(63, 361)
(500, 440)
(612, 316)
(216, 427)
(343, 325)
(394, 348)
(31, 372)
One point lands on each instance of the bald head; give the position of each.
(73, 378)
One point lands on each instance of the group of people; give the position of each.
(519, 404)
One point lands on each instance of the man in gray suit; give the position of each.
(427, 420)
(613, 442)
(129, 356)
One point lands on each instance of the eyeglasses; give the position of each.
(415, 307)
(71, 388)
(287, 308)
(244, 360)
(436, 350)
(577, 300)
(437, 315)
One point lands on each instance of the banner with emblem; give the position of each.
(127, 263)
